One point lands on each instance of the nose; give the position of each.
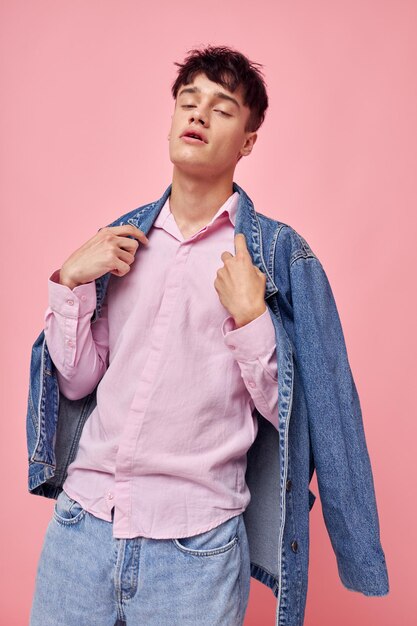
(198, 117)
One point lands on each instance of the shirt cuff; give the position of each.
(251, 341)
(68, 302)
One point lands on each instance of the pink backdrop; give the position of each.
(85, 113)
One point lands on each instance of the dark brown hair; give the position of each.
(229, 68)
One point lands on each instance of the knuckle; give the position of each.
(108, 236)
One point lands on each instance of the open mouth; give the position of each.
(192, 139)
(192, 136)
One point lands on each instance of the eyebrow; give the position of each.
(218, 94)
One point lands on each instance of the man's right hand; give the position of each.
(110, 250)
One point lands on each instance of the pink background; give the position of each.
(85, 114)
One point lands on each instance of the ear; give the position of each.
(252, 138)
(249, 143)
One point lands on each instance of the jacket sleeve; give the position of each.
(341, 459)
(78, 349)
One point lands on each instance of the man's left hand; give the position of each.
(240, 284)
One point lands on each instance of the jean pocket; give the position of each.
(218, 540)
(68, 511)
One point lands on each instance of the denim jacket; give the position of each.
(320, 424)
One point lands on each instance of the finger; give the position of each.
(258, 271)
(126, 256)
(240, 243)
(127, 243)
(120, 268)
(226, 255)
(128, 230)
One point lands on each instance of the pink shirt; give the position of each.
(166, 444)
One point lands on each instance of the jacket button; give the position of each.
(294, 546)
(289, 484)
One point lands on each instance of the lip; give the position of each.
(193, 140)
(195, 132)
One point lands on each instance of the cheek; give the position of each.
(229, 144)
(174, 125)
(232, 137)
(177, 122)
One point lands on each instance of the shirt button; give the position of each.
(70, 343)
(70, 302)
(83, 298)
(294, 546)
(110, 495)
(232, 347)
(251, 383)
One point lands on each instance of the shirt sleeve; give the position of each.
(254, 348)
(78, 349)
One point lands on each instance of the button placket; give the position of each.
(127, 450)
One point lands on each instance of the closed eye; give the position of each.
(188, 106)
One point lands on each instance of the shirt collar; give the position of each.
(229, 207)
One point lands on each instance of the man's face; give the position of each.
(201, 107)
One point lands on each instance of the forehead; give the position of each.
(202, 85)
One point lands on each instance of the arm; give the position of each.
(254, 347)
(78, 349)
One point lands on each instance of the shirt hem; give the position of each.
(182, 536)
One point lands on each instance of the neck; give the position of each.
(195, 200)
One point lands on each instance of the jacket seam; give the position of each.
(302, 255)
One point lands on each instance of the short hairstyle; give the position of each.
(229, 68)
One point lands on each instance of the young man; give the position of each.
(172, 330)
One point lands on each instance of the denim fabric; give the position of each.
(320, 426)
(85, 576)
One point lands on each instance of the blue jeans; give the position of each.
(86, 577)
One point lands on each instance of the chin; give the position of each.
(188, 162)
